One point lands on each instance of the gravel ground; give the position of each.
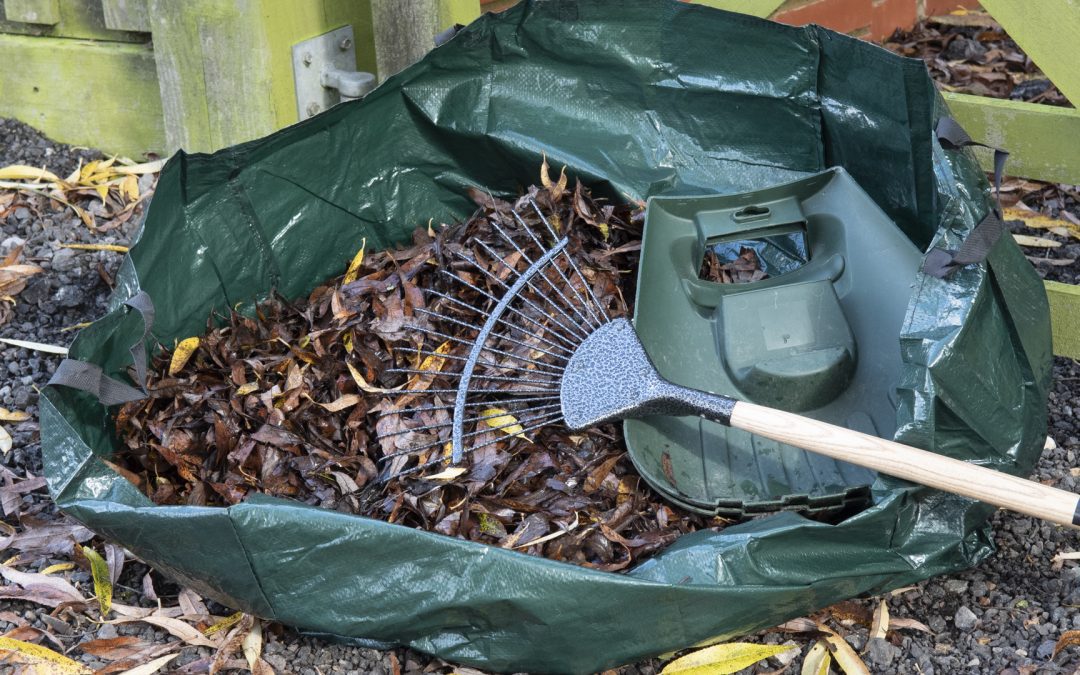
(1003, 617)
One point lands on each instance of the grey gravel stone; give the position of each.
(965, 619)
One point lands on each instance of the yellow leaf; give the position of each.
(23, 172)
(183, 352)
(245, 389)
(103, 191)
(138, 169)
(721, 659)
(5, 441)
(58, 567)
(1036, 242)
(97, 247)
(13, 415)
(499, 419)
(880, 625)
(227, 622)
(346, 401)
(150, 667)
(448, 474)
(77, 326)
(99, 569)
(354, 266)
(817, 660)
(347, 341)
(1037, 221)
(604, 230)
(36, 346)
(364, 386)
(842, 652)
(39, 659)
(545, 178)
(435, 363)
(129, 188)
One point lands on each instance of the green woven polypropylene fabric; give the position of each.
(637, 97)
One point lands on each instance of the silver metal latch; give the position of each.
(324, 69)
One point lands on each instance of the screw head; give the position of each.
(345, 44)
(313, 109)
(308, 58)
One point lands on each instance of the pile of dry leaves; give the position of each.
(969, 52)
(292, 402)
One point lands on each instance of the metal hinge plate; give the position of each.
(335, 50)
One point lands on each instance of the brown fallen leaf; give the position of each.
(1068, 639)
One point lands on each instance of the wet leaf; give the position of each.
(5, 441)
(346, 401)
(182, 353)
(58, 567)
(103, 587)
(364, 386)
(37, 659)
(721, 659)
(354, 266)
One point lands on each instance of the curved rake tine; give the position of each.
(512, 326)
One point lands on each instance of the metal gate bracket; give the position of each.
(324, 69)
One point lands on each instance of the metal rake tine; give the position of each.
(445, 459)
(507, 392)
(452, 373)
(471, 434)
(511, 308)
(450, 406)
(569, 305)
(574, 330)
(569, 259)
(582, 301)
(443, 425)
(555, 370)
(466, 324)
(525, 359)
(511, 326)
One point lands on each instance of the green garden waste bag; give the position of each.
(636, 97)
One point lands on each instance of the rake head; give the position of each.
(526, 310)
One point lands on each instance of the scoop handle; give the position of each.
(889, 457)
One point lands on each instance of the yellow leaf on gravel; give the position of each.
(722, 659)
(227, 622)
(842, 653)
(354, 266)
(150, 667)
(23, 172)
(129, 188)
(58, 567)
(37, 659)
(139, 169)
(99, 569)
(1035, 242)
(183, 352)
(499, 419)
(1037, 221)
(97, 247)
(817, 660)
(252, 644)
(13, 415)
(880, 625)
(364, 386)
(5, 441)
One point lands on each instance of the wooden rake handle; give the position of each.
(903, 461)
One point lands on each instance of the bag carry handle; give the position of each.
(90, 378)
(941, 263)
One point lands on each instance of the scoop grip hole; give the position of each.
(751, 213)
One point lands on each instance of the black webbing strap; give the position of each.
(89, 377)
(939, 262)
